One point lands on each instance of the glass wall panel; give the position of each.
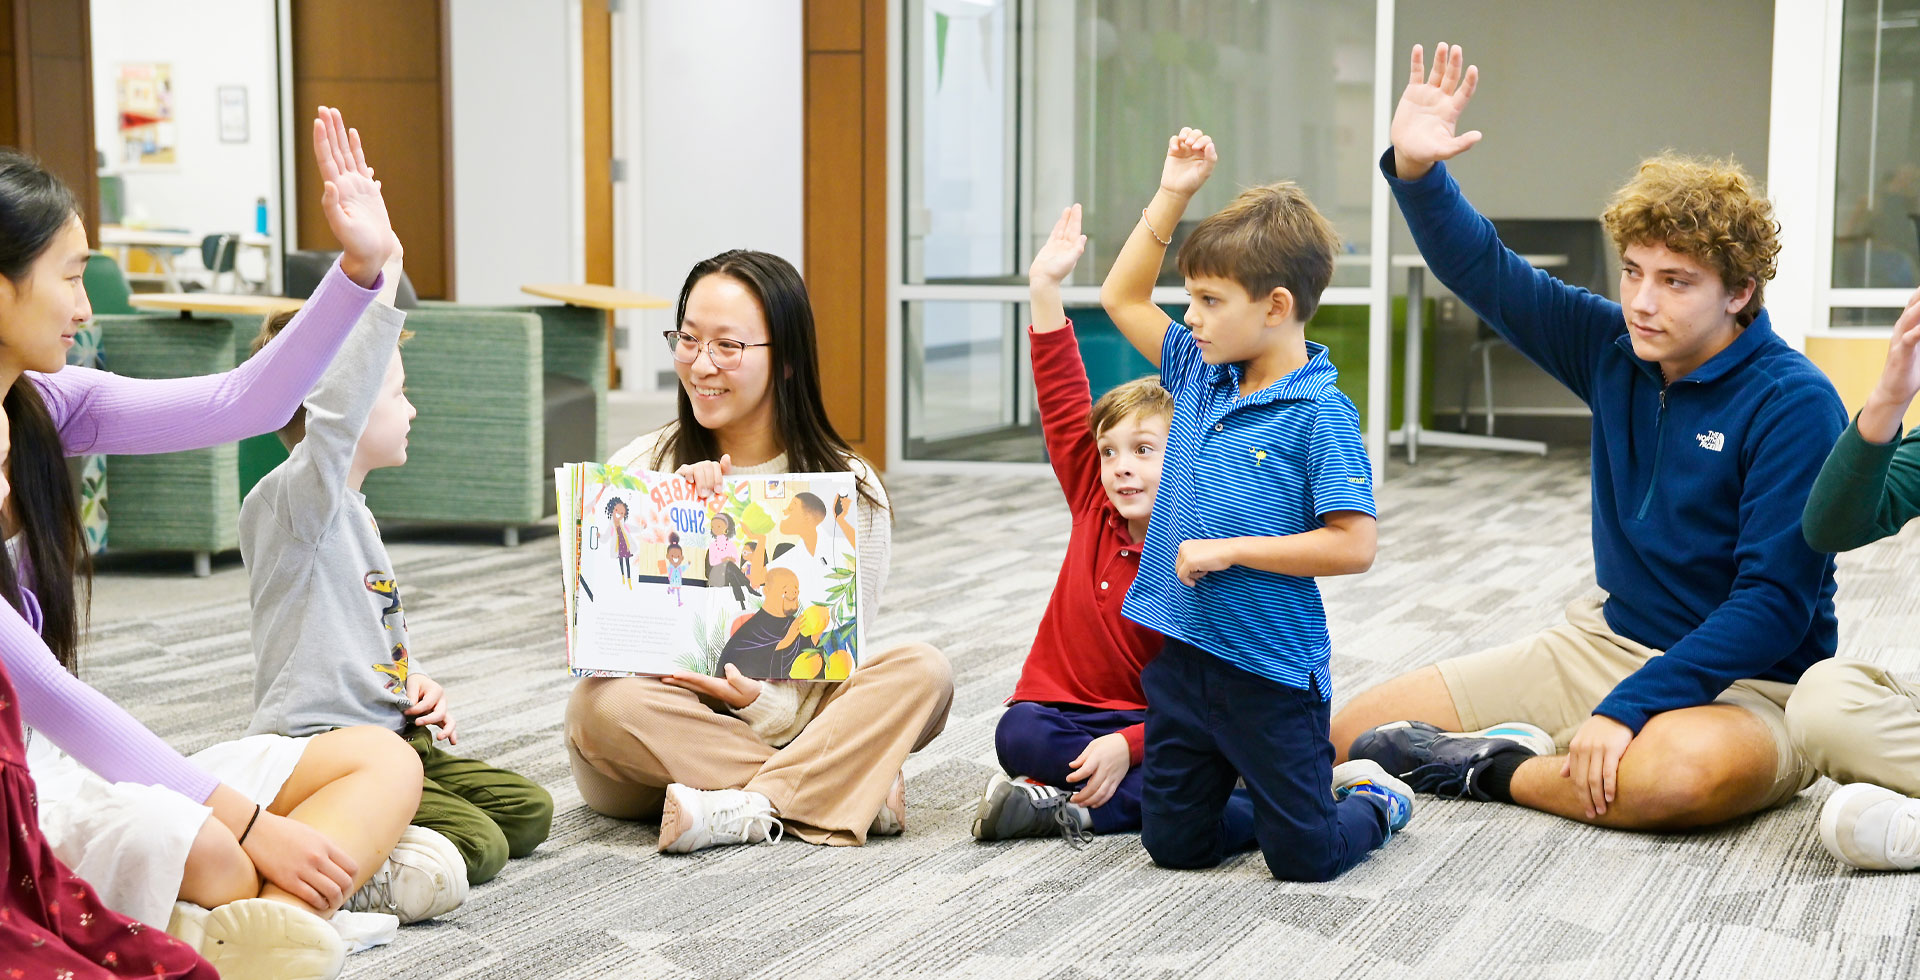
(1876, 226)
(1016, 108)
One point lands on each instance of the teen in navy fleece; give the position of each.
(1702, 419)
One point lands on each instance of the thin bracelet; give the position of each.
(1156, 235)
(249, 830)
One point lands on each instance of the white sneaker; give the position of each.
(891, 821)
(691, 819)
(1872, 827)
(260, 939)
(423, 877)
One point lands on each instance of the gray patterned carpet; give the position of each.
(1475, 549)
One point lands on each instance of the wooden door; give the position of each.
(46, 94)
(386, 67)
(846, 212)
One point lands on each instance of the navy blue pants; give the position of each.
(1040, 741)
(1208, 723)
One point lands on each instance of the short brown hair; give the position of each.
(1141, 396)
(296, 427)
(1705, 209)
(1269, 237)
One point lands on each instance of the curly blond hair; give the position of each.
(1707, 209)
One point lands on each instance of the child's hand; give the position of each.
(736, 690)
(1429, 111)
(430, 706)
(706, 475)
(1055, 260)
(1899, 379)
(1199, 556)
(351, 201)
(1102, 765)
(301, 860)
(1190, 159)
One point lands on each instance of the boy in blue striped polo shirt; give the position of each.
(1265, 486)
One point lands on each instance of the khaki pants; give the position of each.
(628, 737)
(1858, 724)
(1555, 678)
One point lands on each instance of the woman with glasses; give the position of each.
(733, 760)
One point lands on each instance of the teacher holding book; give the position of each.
(735, 760)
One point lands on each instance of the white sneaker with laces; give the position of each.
(691, 819)
(423, 877)
(1872, 827)
(891, 821)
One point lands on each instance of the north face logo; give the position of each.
(1712, 440)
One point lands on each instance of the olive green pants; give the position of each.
(490, 814)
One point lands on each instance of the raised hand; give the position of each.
(1899, 380)
(1190, 159)
(1424, 124)
(1055, 260)
(351, 200)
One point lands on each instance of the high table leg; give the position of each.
(1410, 400)
(613, 366)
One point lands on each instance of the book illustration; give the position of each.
(658, 580)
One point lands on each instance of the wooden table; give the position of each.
(190, 303)
(597, 297)
(165, 246)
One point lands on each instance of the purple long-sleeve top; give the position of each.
(98, 412)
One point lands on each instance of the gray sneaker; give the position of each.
(1012, 808)
(424, 876)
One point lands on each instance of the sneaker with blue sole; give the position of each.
(1366, 776)
(1445, 763)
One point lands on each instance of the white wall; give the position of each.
(710, 118)
(1573, 95)
(517, 157)
(208, 43)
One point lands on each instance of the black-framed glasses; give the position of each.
(723, 352)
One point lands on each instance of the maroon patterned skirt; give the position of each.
(52, 925)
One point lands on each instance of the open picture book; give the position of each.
(762, 575)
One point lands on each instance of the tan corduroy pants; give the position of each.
(1858, 724)
(628, 737)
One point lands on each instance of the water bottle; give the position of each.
(260, 215)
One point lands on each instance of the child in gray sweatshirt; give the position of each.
(329, 634)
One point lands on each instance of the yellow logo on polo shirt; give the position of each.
(1259, 456)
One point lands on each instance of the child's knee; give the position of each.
(1013, 737)
(526, 824)
(485, 850)
(1180, 841)
(378, 749)
(1301, 861)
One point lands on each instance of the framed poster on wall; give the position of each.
(233, 113)
(145, 101)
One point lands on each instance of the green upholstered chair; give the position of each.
(504, 395)
(107, 289)
(187, 501)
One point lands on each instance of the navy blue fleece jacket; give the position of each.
(1697, 486)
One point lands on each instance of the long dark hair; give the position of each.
(34, 207)
(811, 444)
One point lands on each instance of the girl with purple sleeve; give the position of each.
(325, 827)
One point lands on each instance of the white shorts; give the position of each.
(130, 841)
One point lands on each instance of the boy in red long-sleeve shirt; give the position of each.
(1072, 737)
